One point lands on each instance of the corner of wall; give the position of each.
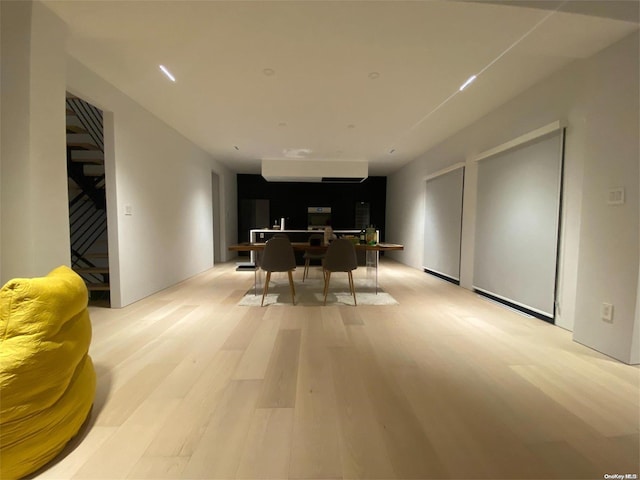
(634, 356)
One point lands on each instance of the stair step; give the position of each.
(75, 129)
(70, 112)
(93, 170)
(91, 269)
(96, 161)
(75, 138)
(98, 286)
(79, 190)
(82, 146)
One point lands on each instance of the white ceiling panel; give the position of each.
(345, 80)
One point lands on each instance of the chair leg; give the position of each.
(353, 288)
(327, 277)
(293, 284)
(293, 288)
(305, 272)
(324, 281)
(266, 288)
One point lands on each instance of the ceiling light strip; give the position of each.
(527, 33)
(467, 83)
(167, 73)
(509, 48)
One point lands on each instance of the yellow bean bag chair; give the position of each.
(47, 380)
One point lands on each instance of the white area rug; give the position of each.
(309, 292)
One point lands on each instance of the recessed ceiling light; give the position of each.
(351, 125)
(236, 147)
(269, 72)
(374, 75)
(469, 81)
(167, 73)
(392, 150)
(282, 124)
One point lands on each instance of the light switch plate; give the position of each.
(615, 196)
(128, 210)
(607, 312)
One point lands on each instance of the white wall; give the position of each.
(588, 95)
(608, 260)
(635, 337)
(164, 177)
(166, 180)
(34, 203)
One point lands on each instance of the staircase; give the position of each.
(87, 205)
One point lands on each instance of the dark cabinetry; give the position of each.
(290, 200)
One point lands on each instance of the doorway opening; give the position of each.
(215, 209)
(87, 197)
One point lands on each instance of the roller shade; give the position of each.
(443, 223)
(517, 223)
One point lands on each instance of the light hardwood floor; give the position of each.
(444, 385)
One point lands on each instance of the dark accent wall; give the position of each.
(291, 199)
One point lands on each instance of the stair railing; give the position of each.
(91, 119)
(80, 261)
(87, 215)
(87, 224)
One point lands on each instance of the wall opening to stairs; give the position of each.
(215, 208)
(87, 198)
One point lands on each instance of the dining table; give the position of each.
(372, 250)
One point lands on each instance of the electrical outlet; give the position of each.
(606, 312)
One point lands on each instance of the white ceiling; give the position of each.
(320, 102)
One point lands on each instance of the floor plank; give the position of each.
(128, 442)
(181, 433)
(268, 446)
(315, 450)
(279, 386)
(409, 449)
(254, 362)
(219, 451)
(363, 450)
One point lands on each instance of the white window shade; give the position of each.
(443, 223)
(517, 221)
